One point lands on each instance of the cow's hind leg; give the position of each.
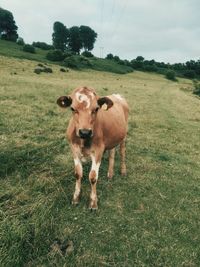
(111, 163)
(123, 156)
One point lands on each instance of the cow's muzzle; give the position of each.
(85, 133)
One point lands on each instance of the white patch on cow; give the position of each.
(77, 191)
(63, 103)
(93, 196)
(83, 159)
(77, 161)
(95, 166)
(83, 98)
(118, 96)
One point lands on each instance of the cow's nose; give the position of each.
(85, 133)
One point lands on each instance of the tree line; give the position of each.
(189, 69)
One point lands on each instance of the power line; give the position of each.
(117, 25)
(112, 9)
(101, 17)
(101, 51)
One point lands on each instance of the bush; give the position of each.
(71, 62)
(47, 70)
(44, 69)
(190, 74)
(116, 58)
(42, 45)
(121, 62)
(64, 70)
(37, 70)
(76, 62)
(196, 90)
(170, 75)
(20, 41)
(69, 53)
(40, 65)
(87, 54)
(150, 68)
(29, 48)
(55, 55)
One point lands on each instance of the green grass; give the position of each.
(149, 218)
(11, 49)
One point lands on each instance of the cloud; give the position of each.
(163, 30)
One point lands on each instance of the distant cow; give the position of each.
(97, 124)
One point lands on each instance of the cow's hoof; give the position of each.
(93, 209)
(93, 206)
(75, 201)
(110, 175)
(123, 173)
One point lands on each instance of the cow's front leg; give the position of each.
(78, 175)
(93, 177)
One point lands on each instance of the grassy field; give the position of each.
(149, 218)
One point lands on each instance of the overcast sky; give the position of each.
(164, 30)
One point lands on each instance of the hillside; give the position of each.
(149, 218)
(11, 49)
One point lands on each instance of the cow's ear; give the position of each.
(105, 102)
(64, 101)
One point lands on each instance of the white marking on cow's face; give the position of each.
(83, 98)
(118, 96)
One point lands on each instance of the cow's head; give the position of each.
(84, 104)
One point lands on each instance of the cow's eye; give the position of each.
(74, 110)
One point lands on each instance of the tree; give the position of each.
(75, 43)
(88, 37)
(109, 56)
(8, 28)
(60, 36)
(140, 58)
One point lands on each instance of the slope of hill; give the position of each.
(149, 218)
(11, 49)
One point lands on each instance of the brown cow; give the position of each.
(97, 124)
